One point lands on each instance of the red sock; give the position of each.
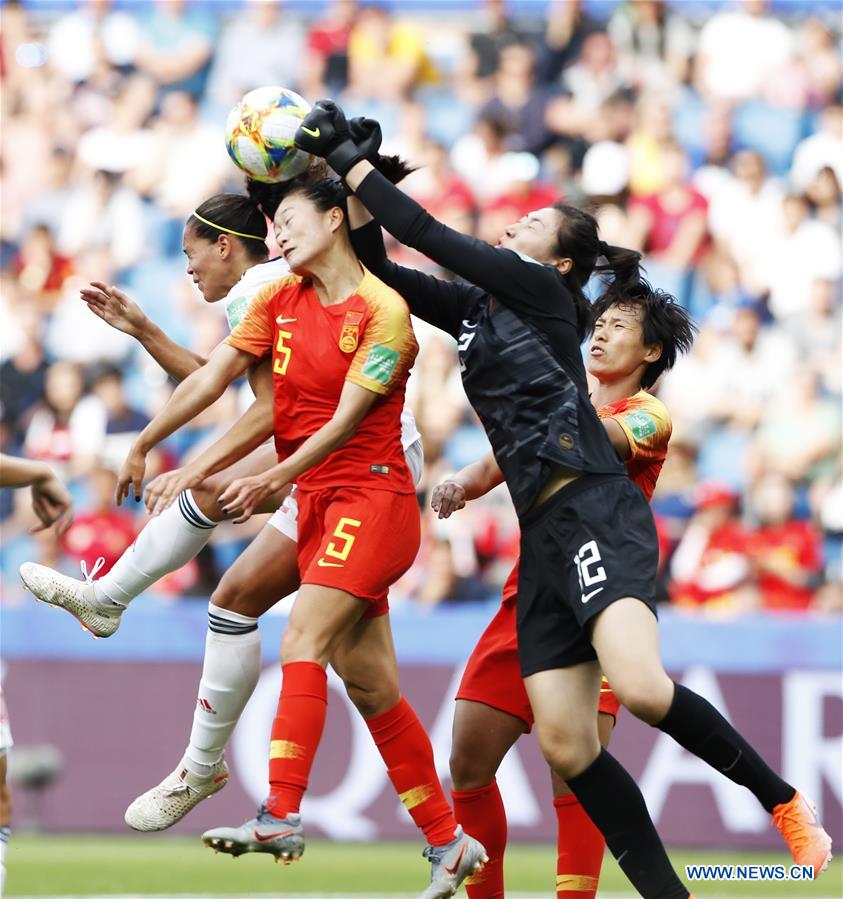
(481, 814)
(405, 748)
(580, 848)
(296, 732)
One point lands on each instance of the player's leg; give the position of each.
(5, 816)
(320, 617)
(566, 548)
(625, 636)
(167, 542)
(492, 711)
(265, 572)
(580, 845)
(366, 661)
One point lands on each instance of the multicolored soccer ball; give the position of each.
(259, 134)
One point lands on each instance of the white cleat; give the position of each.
(176, 795)
(452, 863)
(62, 592)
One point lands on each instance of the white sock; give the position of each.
(229, 676)
(169, 541)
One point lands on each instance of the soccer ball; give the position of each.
(259, 134)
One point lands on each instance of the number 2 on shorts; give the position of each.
(348, 539)
(589, 571)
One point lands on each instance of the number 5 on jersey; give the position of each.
(340, 551)
(282, 360)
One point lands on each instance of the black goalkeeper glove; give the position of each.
(366, 133)
(324, 132)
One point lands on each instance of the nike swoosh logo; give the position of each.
(586, 597)
(456, 865)
(323, 564)
(266, 837)
(283, 321)
(308, 131)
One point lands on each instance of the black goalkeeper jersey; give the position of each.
(515, 326)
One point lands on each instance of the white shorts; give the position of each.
(6, 741)
(285, 518)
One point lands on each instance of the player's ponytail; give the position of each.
(393, 168)
(235, 215)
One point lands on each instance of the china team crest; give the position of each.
(350, 336)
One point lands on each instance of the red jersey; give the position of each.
(366, 339)
(646, 423)
(794, 546)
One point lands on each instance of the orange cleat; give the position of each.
(798, 824)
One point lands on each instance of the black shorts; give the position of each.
(591, 543)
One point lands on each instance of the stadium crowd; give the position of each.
(706, 134)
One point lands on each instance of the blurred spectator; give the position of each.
(785, 552)
(671, 225)
(651, 137)
(740, 50)
(654, 44)
(825, 198)
(177, 41)
(518, 103)
(809, 450)
(103, 213)
(745, 215)
(820, 149)
(69, 425)
(122, 423)
(386, 57)
(23, 371)
(262, 45)
(568, 26)
(81, 41)
(103, 531)
(711, 567)
(325, 72)
(442, 584)
(40, 268)
(813, 251)
(819, 63)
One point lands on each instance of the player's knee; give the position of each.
(206, 496)
(470, 768)
(231, 595)
(373, 699)
(568, 754)
(299, 645)
(648, 698)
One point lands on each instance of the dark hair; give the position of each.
(269, 196)
(663, 321)
(577, 239)
(228, 213)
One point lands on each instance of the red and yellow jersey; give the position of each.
(646, 423)
(366, 339)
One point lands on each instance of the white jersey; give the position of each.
(241, 295)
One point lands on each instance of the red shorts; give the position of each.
(359, 541)
(493, 673)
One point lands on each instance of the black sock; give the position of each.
(614, 803)
(695, 724)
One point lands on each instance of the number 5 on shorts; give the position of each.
(348, 539)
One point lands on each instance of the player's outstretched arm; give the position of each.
(245, 435)
(471, 482)
(51, 501)
(198, 391)
(244, 495)
(121, 312)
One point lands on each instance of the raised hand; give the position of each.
(367, 135)
(52, 503)
(115, 308)
(324, 132)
